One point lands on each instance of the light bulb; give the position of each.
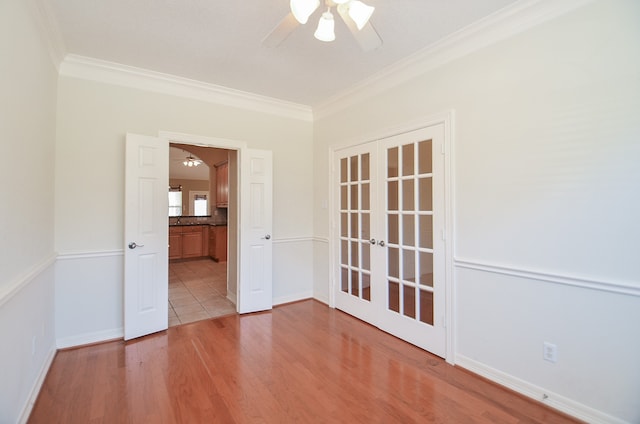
(325, 31)
(302, 9)
(360, 13)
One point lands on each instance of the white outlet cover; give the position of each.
(550, 352)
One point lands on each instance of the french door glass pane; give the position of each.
(392, 195)
(394, 296)
(407, 160)
(365, 167)
(394, 263)
(392, 162)
(366, 286)
(366, 256)
(344, 280)
(354, 225)
(408, 230)
(354, 254)
(354, 168)
(409, 301)
(409, 265)
(354, 197)
(425, 162)
(426, 194)
(344, 197)
(408, 196)
(366, 201)
(355, 284)
(425, 229)
(343, 170)
(426, 269)
(365, 225)
(393, 232)
(426, 307)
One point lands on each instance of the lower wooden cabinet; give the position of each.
(190, 241)
(218, 243)
(175, 245)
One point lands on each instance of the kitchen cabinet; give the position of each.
(175, 242)
(218, 243)
(188, 241)
(192, 241)
(222, 185)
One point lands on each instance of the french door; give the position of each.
(390, 221)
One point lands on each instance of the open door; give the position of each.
(256, 185)
(146, 236)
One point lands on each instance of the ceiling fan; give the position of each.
(354, 13)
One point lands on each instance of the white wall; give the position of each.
(546, 182)
(93, 119)
(27, 123)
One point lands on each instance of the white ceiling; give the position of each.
(219, 42)
(179, 171)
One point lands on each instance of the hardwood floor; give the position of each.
(301, 362)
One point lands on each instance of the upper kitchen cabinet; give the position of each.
(222, 185)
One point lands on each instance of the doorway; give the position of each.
(198, 241)
(249, 229)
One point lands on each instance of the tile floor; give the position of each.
(197, 291)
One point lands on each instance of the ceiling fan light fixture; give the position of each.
(191, 161)
(302, 9)
(325, 30)
(359, 12)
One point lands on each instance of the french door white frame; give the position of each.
(446, 119)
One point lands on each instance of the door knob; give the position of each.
(381, 243)
(372, 241)
(267, 237)
(133, 245)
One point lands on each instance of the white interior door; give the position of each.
(391, 252)
(255, 291)
(146, 236)
(413, 284)
(357, 214)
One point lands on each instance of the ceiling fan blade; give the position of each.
(367, 37)
(281, 31)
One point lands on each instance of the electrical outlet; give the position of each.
(550, 352)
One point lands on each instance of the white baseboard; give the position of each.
(232, 297)
(293, 298)
(88, 338)
(551, 399)
(322, 300)
(37, 385)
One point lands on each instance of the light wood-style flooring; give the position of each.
(302, 362)
(197, 291)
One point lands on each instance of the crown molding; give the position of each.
(49, 30)
(128, 76)
(496, 27)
